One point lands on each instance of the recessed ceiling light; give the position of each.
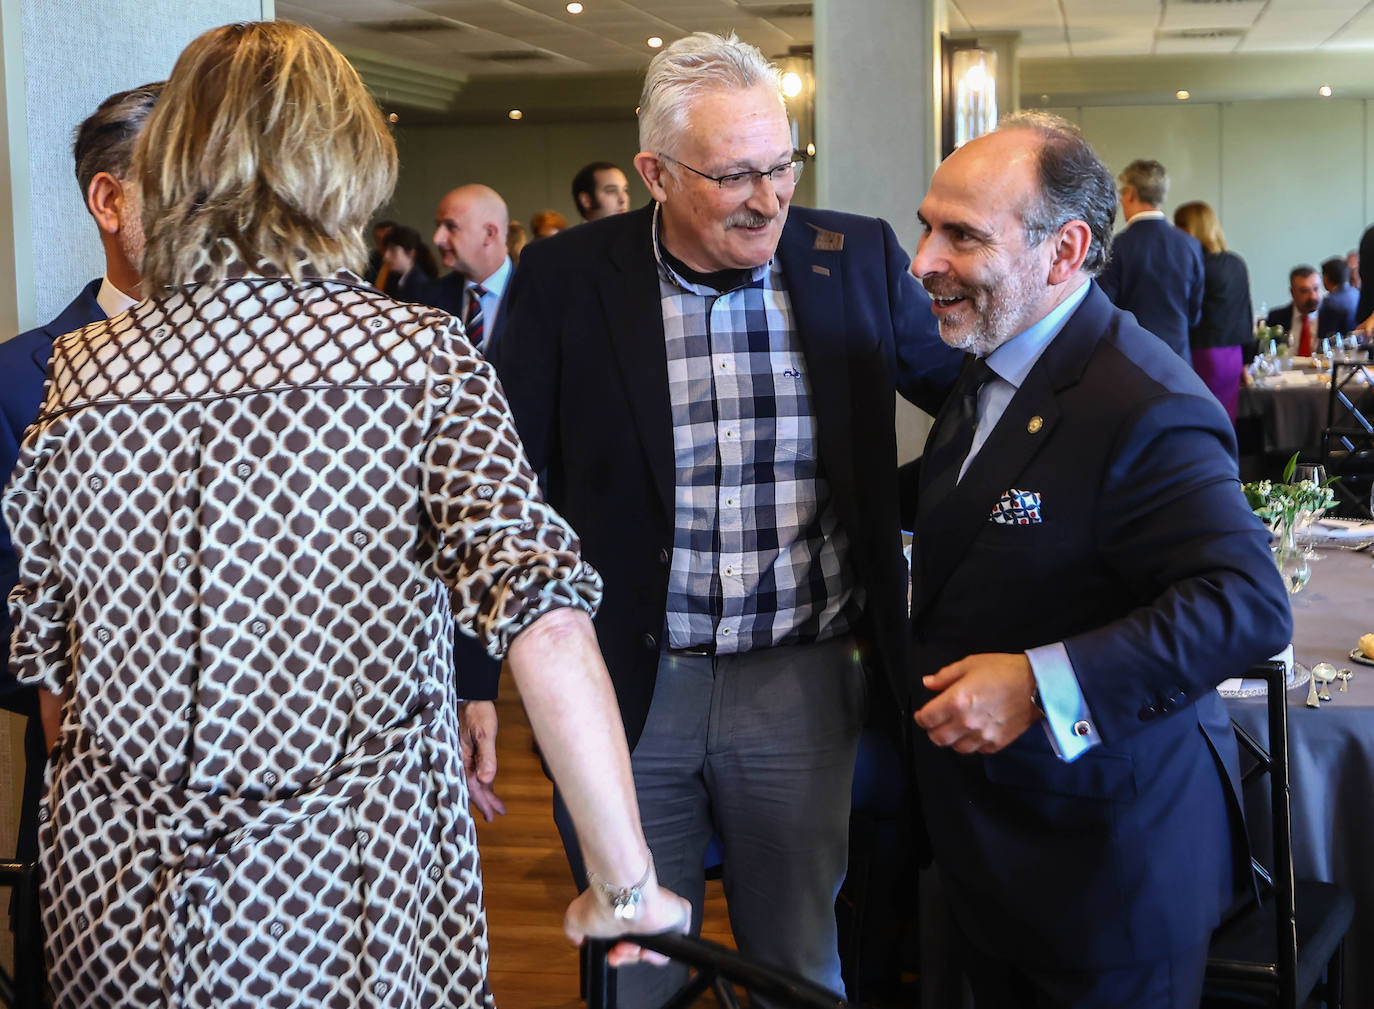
(1182, 96)
(516, 114)
(393, 118)
(791, 84)
(1324, 91)
(574, 7)
(654, 41)
(810, 150)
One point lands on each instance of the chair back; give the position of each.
(717, 968)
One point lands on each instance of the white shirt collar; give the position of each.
(112, 300)
(1147, 215)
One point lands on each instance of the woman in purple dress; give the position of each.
(1227, 323)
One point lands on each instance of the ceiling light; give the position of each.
(654, 41)
(810, 150)
(516, 114)
(574, 7)
(393, 118)
(791, 84)
(1182, 96)
(1324, 91)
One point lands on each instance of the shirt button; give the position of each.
(730, 502)
(729, 570)
(729, 433)
(258, 627)
(360, 538)
(442, 389)
(276, 930)
(183, 563)
(102, 635)
(358, 690)
(725, 632)
(1081, 728)
(243, 470)
(95, 483)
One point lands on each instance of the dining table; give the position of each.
(1287, 410)
(1330, 749)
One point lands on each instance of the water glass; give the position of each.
(1316, 474)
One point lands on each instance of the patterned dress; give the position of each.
(249, 517)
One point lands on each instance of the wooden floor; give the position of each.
(527, 883)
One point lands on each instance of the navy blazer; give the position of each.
(446, 294)
(24, 363)
(1155, 273)
(1152, 570)
(1337, 314)
(584, 365)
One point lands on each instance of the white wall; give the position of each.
(1287, 178)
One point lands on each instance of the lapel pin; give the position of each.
(1036, 423)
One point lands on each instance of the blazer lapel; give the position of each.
(633, 310)
(949, 521)
(813, 266)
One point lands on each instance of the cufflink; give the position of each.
(1081, 727)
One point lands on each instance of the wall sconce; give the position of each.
(799, 90)
(973, 74)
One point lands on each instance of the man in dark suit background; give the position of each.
(1337, 312)
(470, 234)
(1155, 271)
(708, 383)
(103, 150)
(1300, 317)
(1086, 570)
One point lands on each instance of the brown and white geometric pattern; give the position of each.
(248, 518)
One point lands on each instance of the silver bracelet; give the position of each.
(624, 900)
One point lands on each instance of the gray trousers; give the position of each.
(757, 748)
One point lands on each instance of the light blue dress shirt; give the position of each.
(495, 286)
(1068, 721)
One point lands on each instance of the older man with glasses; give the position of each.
(708, 385)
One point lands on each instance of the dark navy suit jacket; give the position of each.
(584, 365)
(1155, 273)
(446, 294)
(24, 365)
(1151, 569)
(1337, 314)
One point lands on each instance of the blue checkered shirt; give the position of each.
(759, 557)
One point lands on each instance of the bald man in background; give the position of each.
(470, 233)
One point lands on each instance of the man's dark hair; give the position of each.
(383, 226)
(1336, 271)
(585, 182)
(1301, 271)
(105, 141)
(1074, 186)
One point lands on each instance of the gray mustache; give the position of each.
(747, 220)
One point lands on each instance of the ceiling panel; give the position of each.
(1232, 14)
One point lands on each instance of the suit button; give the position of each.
(650, 641)
(1148, 711)
(1081, 728)
(664, 556)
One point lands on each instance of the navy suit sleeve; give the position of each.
(926, 366)
(1198, 284)
(1174, 526)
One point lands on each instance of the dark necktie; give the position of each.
(953, 438)
(472, 315)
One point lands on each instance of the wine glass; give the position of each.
(1308, 517)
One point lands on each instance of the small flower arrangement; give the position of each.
(1278, 505)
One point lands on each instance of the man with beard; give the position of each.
(1301, 317)
(1086, 572)
(600, 190)
(103, 151)
(708, 384)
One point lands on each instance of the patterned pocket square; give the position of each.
(1017, 508)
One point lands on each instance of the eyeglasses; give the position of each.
(783, 176)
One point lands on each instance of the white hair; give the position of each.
(693, 64)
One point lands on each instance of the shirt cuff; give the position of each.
(1068, 721)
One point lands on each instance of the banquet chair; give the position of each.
(1284, 944)
(1347, 441)
(716, 969)
(25, 987)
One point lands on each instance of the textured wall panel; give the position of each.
(76, 53)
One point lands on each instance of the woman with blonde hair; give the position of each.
(250, 515)
(1219, 339)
